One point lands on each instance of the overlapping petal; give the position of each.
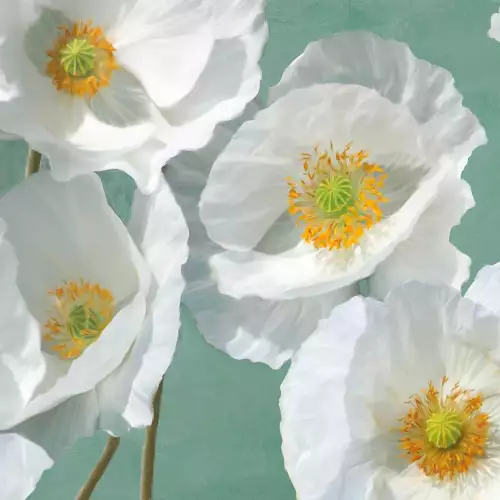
(148, 40)
(241, 34)
(22, 463)
(22, 366)
(159, 230)
(415, 259)
(391, 68)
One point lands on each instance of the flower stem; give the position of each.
(100, 468)
(148, 452)
(33, 162)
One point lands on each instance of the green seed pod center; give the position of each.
(334, 194)
(84, 323)
(78, 57)
(444, 428)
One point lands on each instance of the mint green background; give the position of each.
(219, 435)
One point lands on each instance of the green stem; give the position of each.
(111, 446)
(148, 453)
(33, 162)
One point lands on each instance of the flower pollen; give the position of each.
(339, 197)
(80, 313)
(445, 432)
(81, 60)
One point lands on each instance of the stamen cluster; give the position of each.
(445, 434)
(79, 315)
(338, 199)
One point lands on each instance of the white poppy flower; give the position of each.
(267, 331)
(98, 85)
(399, 400)
(105, 303)
(348, 174)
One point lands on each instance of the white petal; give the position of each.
(123, 102)
(212, 100)
(235, 17)
(475, 364)
(159, 229)
(66, 144)
(494, 31)
(40, 112)
(107, 14)
(46, 436)
(260, 330)
(188, 172)
(493, 490)
(8, 26)
(77, 236)
(247, 190)
(315, 426)
(411, 484)
(485, 289)
(166, 46)
(93, 135)
(22, 463)
(42, 24)
(391, 69)
(143, 162)
(421, 316)
(436, 263)
(60, 428)
(22, 366)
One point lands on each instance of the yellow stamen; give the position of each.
(445, 434)
(338, 198)
(81, 60)
(80, 313)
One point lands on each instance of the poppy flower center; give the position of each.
(444, 428)
(81, 60)
(79, 314)
(445, 431)
(335, 194)
(338, 197)
(78, 57)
